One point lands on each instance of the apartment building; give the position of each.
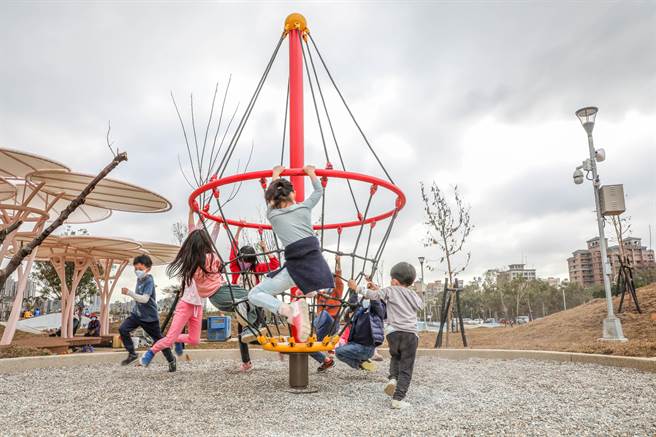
(585, 264)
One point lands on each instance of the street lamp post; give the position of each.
(612, 327)
(421, 263)
(564, 300)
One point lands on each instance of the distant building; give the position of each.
(554, 282)
(94, 306)
(490, 276)
(428, 291)
(516, 271)
(8, 293)
(585, 264)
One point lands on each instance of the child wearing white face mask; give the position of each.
(144, 314)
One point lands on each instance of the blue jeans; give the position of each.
(322, 323)
(354, 354)
(263, 294)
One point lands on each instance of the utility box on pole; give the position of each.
(611, 199)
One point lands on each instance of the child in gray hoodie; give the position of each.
(401, 328)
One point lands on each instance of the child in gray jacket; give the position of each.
(401, 328)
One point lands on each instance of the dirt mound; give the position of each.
(13, 351)
(574, 330)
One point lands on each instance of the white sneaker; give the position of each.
(400, 405)
(390, 387)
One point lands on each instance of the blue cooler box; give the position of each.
(218, 328)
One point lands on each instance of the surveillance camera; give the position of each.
(600, 155)
(578, 176)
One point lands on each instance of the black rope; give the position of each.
(330, 125)
(383, 243)
(362, 220)
(314, 100)
(366, 252)
(349, 110)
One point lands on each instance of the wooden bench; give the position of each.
(83, 341)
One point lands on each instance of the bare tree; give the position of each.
(180, 231)
(622, 227)
(448, 226)
(27, 249)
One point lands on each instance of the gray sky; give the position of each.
(478, 94)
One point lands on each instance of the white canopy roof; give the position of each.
(7, 190)
(161, 253)
(15, 164)
(109, 193)
(83, 214)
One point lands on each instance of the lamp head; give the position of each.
(578, 176)
(587, 117)
(421, 259)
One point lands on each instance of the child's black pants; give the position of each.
(403, 350)
(151, 328)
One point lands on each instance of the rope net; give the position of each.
(353, 222)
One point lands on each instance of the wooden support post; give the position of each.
(23, 274)
(106, 283)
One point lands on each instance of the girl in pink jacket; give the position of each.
(199, 268)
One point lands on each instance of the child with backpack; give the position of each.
(402, 305)
(365, 334)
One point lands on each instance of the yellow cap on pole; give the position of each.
(296, 21)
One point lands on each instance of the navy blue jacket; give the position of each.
(367, 326)
(306, 266)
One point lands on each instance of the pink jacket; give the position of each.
(208, 283)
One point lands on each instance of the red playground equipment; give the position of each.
(209, 202)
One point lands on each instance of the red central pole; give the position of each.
(296, 145)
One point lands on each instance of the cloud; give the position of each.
(472, 94)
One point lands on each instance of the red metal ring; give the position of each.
(254, 175)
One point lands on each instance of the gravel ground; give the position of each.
(449, 398)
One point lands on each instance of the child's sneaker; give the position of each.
(248, 335)
(130, 359)
(400, 405)
(246, 367)
(328, 363)
(301, 319)
(179, 349)
(368, 366)
(173, 366)
(147, 358)
(390, 387)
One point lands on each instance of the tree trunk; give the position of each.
(26, 250)
(9, 229)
